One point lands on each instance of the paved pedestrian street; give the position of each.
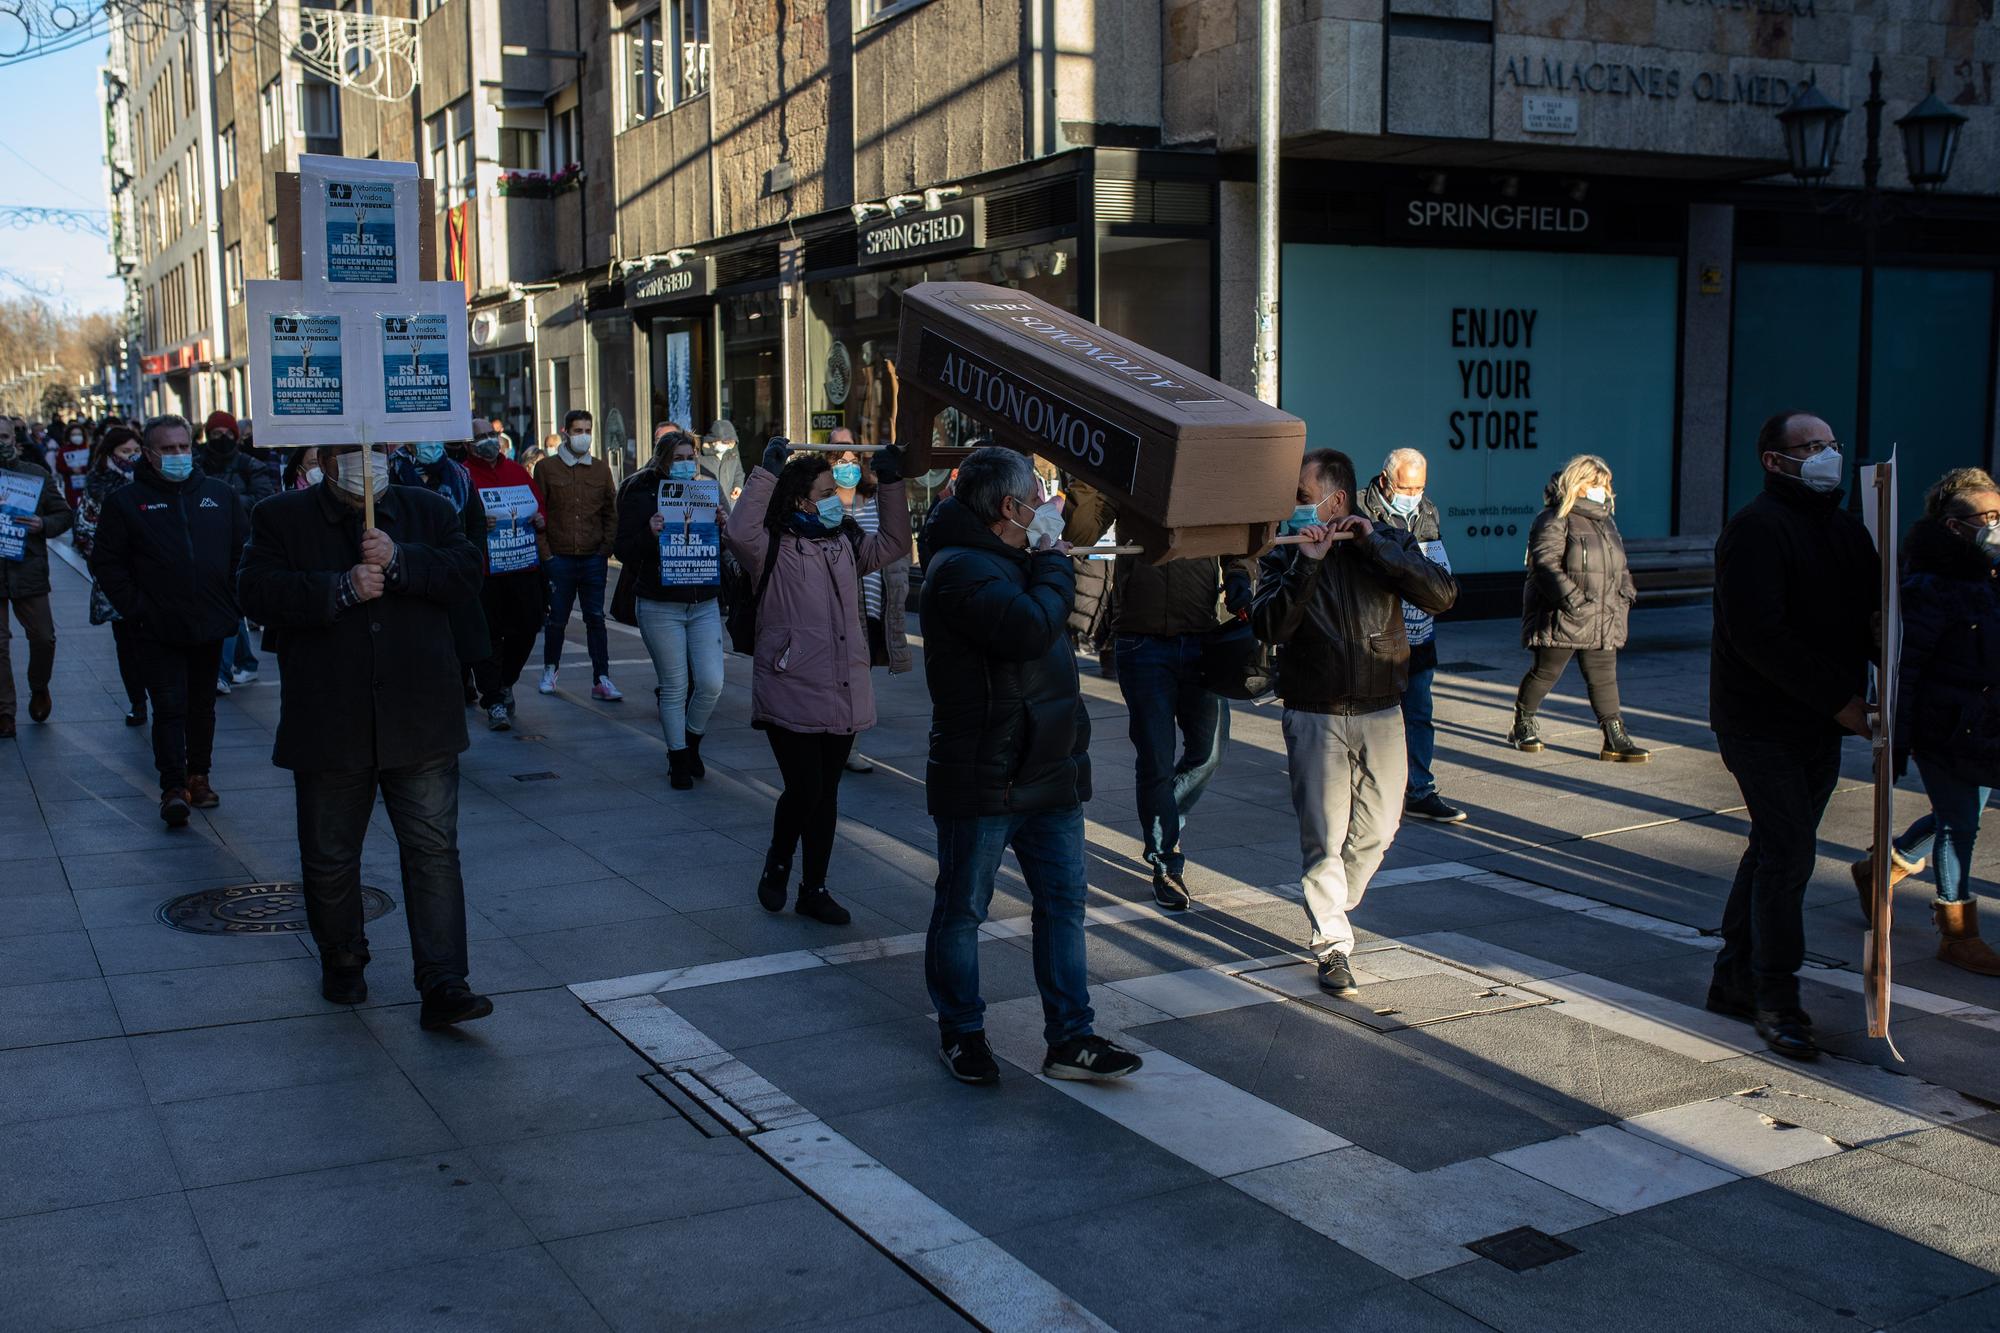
(688, 1113)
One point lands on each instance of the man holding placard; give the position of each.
(32, 510)
(512, 595)
(371, 702)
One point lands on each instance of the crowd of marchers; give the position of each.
(389, 633)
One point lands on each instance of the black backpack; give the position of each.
(740, 601)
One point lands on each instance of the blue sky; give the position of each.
(51, 156)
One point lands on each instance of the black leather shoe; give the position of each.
(1170, 890)
(820, 906)
(343, 984)
(136, 716)
(1335, 976)
(771, 890)
(1788, 1032)
(1729, 1002)
(453, 1002)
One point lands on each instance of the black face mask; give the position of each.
(487, 449)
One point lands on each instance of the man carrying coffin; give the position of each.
(371, 701)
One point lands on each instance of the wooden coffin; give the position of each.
(1194, 467)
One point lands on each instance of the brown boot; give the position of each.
(1959, 943)
(200, 795)
(174, 807)
(1863, 872)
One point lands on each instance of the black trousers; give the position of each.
(515, 612)
(811, 764)
(180, 677)
(422, 800)
(1786, 784)
(131, 662)
(1600, 678)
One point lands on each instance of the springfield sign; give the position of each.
(957, 227)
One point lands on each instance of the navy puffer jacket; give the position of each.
(1948, 708)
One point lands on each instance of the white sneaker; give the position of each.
(857, 763)
(548, 685)
(605, 690)
(242, 677)
(222, 685)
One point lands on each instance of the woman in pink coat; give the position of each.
(810, 693)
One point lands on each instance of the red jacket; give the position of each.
(73, 468)
(506, 472)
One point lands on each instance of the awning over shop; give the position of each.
(1194, 467)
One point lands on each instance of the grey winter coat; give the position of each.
(1579, 592)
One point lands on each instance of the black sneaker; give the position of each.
(969, 1058)
(1335, 976)
(1432, 807)
(771, 890)
(1089, 1057)
(1170, 890)
(343, 983)
(453, 1002)
(1788, 1032)
(820, 906)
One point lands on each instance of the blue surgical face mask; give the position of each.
(177, 467)
(683, 469)
(1406, 505)
(1302, 518)
(847, 475)
(430, 451)
(831, 511)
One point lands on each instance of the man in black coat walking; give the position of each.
(1009, 763)
(1796, 592)
(371, 701)
(165, 557)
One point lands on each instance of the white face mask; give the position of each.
(1046, 525)
(1596, 494)
(1823, 471)
(353, 471)
(579, 445)
(313, 476)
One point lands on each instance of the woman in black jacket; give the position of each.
(680, 623)
(1577, 602)
(1947, 715)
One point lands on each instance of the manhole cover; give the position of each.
(1522, 1248)
(255, 909)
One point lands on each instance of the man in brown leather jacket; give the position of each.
(1334, 607)
(581, 501)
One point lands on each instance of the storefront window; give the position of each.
(614, 393)
(752, 369)
(503, 386)
(851, 332)
(680, 375)
(1155, 290)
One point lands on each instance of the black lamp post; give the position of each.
(1812, 140)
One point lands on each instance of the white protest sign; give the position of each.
(358, 223)
(510, 543)
(690, 538)
(20, 496)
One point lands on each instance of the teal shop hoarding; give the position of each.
(1498, 367)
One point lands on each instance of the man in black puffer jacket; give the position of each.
(1009, 762)
(1336, 613)
(1797, 584)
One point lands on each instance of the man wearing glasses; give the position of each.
(1796, 593)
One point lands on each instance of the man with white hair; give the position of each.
(1396, 499)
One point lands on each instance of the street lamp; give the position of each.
(1930, 131)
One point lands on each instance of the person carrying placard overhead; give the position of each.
(582, 505)
(371, 703)
(24, 577)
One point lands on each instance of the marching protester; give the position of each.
(1796, 592)
(73, 455)
(680, 623)
(721, 459)
(223, 458)
(371, 703)
(885, 594)
(1396, 499)
(301, 469)
(511, 598)
(166, 555)
(1161, 619)
(1947, 716)
(1577, 602)
(1009, 762)
(581, 501)
(535, 453)
(497, 427)
(113, 459)
(1334, 609)
(810, 694)
(24, 581)
(429, 466)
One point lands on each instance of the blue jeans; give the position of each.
(575, 578)
(1049, 847)
(1160, 677)
(1420, 734)
(685, 640)
(236, 652)
(1950, 829)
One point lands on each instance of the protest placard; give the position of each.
(20, 496)
(416, 363)
(358, 220)
(690, 539)
(306, 365)
(510, 545)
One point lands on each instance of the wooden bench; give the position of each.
(1671, 566)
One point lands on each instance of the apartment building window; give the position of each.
(520, 146)
(222, 35)
(194, 183)
(271, 268)
(565, 141)
(187, 76)
(319, 109)
(357, 56)
(438, 145)
(200, 279)
(169, 201)
(225, 158)
(271, 114)
(461, 146)
(232, 273)
(882, 9)
(666, 59)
